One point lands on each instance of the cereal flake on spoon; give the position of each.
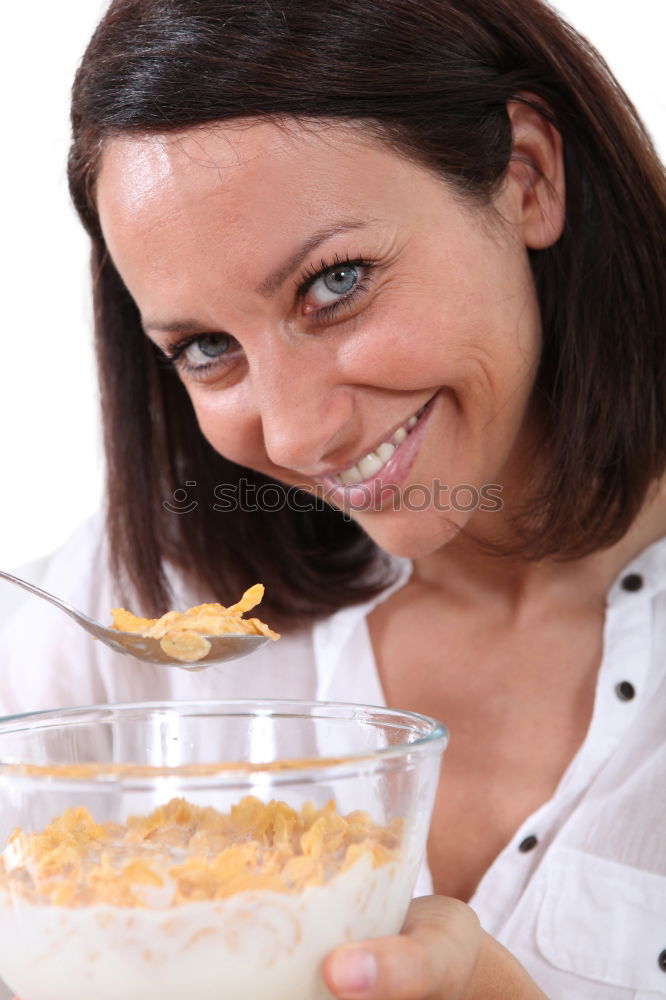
(183, 636)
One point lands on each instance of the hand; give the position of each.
(441, 954)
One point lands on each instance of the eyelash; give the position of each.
(172, 355)
(312, 274)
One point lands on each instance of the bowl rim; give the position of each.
(226, 774)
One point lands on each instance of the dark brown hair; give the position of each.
(433, 78)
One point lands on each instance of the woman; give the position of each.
(403, 255)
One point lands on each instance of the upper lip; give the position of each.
(386, 436)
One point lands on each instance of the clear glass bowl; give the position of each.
(141, 858)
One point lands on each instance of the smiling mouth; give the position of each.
(371, 465)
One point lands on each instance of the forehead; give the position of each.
(243, 169)
(183, 211)
(198, 217)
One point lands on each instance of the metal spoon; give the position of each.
(222, 647)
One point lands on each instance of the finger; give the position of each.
(434, 956)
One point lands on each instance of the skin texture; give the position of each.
(201, 226)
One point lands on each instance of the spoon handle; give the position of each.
(38, 592)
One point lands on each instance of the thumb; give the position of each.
(434, 956)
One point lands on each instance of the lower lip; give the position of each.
(391, 476)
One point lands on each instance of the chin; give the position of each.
(412, 535)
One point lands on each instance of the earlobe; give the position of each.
(536, 172)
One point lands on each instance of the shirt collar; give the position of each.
(649, 565)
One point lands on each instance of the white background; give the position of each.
(51, 467)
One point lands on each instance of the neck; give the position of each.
(465, 572)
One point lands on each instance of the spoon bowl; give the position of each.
(222, 647)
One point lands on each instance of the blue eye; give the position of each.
(341, 279)
(333, 283)
(205, 349)
(334, 286)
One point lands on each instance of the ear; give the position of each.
(534, 181)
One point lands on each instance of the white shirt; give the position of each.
(584, 908)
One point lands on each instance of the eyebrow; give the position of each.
(275, 281)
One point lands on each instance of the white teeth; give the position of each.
(350, 477)
(370, 465)
(385, 451)
(376, 460)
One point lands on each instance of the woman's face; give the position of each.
(341, 320)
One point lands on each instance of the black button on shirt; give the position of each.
(528, 843)
(632, 582)
(625, 690)
(662, 960)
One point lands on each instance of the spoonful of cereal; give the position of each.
(206, 634)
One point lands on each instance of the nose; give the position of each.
(304, 409)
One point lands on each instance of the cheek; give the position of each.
(393, 344)
(468, 319)
(467, 350)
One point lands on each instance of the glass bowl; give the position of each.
(212, 849)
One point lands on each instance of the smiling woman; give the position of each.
(318, 406)
(379, 319)
(452, 145)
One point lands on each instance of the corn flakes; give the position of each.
(187, 853)
(183, 636)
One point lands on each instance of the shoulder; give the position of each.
(74, 571)
(45, 659)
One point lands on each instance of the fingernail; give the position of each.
(353, 971)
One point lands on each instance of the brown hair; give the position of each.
(433, 78)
